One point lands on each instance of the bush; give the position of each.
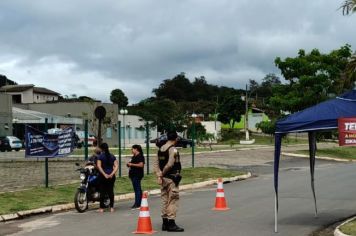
(229, 134)
(267, 127)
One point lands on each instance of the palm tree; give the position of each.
(348, 7)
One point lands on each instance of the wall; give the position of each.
(135, 132)
(27, 96)
(5, 114)
(212, 127)
(42, 98)
(84, 110)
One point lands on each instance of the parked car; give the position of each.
(81, 135)
(9, 143)
(4, 144)
(182, 142)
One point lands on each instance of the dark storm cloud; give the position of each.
(122, 43)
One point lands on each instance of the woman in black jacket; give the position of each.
(136, 173)
(107, 166)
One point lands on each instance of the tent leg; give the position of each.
(312, 151)
(275, 215)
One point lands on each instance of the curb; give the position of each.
(127, 196)
(337, 231)
(318, 157)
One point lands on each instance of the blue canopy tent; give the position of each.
(323, 116)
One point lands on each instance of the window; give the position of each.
(108, 132)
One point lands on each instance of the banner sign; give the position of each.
(41, 144)
(347, 131)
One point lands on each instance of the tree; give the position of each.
(350, 71)
(164, 113)
(230, 110)
(118, 97)
(177, 89)
(349, 6)
(267, 127)
(5, 81)
(312, 78)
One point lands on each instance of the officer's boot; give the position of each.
(172, 227)
(164, 224)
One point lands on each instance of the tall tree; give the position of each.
(6, 81)
(164, 113)
(118, 97)
(231, 109)
(177, 89)
(348, 7)
(312, 78)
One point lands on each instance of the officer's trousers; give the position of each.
(169, 198)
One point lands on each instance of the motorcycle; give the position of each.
(88, 190)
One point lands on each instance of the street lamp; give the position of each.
(14, 125)
(123, 112)
(194, 116)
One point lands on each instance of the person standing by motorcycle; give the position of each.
(107, 166)
(94, 158)
(136, 166)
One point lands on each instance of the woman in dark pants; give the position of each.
(136, 173)
(107, 166)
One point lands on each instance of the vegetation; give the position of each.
(311, 78)
(40, 197)
(118, 97)
(336, 152)
(348, 7)
(349, 228)
(177, 98)
(5, 81)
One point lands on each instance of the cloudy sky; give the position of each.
(89, 48)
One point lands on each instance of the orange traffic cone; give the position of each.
(144, 225)
(220, 201)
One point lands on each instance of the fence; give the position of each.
(17, 172)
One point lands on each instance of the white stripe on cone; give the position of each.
(220, 185)
(219, 194)
(144, 202)
(144, 214)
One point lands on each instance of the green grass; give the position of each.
(40, 197)
(349, 228)
(153, 151)
(337, 152)
(268, 140)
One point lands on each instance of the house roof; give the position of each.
(44, 91)
(24, 87)
(16, 88)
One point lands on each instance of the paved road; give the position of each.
(251, 204)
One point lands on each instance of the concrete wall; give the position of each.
(42, 98)
(135, 132)
(5, 114)
(83, 110)
(212, 127)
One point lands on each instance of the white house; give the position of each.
(133, 130)
(28, 93)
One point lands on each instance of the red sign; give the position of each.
(347, 131)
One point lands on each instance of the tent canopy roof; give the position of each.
(321, 116)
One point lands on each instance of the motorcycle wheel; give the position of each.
(80, 201)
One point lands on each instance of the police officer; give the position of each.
(167, 167)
